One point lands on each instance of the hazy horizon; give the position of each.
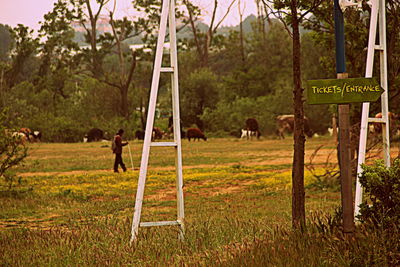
(29, 12)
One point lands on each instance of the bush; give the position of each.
(12, 152)
(382, 185)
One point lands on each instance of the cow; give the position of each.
(35, 136)
(157, 133)
(27, 132)
(376, 127)
(286, 123)
(252, 127)
(247, 134)
(29, 135)
(139, 134)
(171, 127)
(94, 135)
(19, 137)
(330, 130)
(195, 133)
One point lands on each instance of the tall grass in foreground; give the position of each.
(208, 243)
(237, 213)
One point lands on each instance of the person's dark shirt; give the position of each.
(119, 144)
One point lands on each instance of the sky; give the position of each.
(30, 12)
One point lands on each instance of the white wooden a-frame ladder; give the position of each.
(378, 17)
(167, 16)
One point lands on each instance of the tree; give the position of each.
(121, 29)
(5, 42)
(292, 13)
(88, 18)
(200, 92)
(204, 41)
(12, 151)
(58, 58)
(25, 48)
(121, 75)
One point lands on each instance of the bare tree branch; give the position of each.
(225, 15)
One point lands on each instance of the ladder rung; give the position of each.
(167, 69)
(163, 223)
(379, 47)
(163, 144)
(379, 120)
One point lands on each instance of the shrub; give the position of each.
(382, 185)
(12, 152)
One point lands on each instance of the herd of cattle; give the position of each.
(284, 124)
(27, 135)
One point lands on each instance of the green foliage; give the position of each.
(5, 42)
(382, 186)
(23, 61)
(199, 91)
(12, 151)
(231, 115)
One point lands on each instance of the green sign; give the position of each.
(342, 91)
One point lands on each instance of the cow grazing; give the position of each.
(139, 134)
(286, 123)
(330, 131)
(195, 133)
(252, 127)
(27, 132)
(94, 135)
(29, 135)
(171, 127)
(157, 133)
(248, 134)
(20, 138)
(36, 136)
(376, 127)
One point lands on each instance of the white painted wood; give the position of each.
(163, 144)
(167, 69)
(162, 223)
(176, 120)
(384, 82)
(378, 10)
(167, 15)
(150, 122)
(378, 120)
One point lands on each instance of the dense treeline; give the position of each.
(49, 83)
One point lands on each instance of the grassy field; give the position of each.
(71, 209)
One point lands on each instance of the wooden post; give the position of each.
(334, 130)
(345, 165)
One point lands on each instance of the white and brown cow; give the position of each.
(376, 127)
(285, 123)
(251, 129)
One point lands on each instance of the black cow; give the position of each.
(139, 134)
(286, 123)
(252, 128)
(195, 133)
(94, 135)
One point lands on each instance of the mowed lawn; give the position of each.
(71, 209)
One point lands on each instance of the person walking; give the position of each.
(117, 150)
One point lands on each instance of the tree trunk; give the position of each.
(96, 67)
(124, 102)
(242, 53)
(298, 194)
